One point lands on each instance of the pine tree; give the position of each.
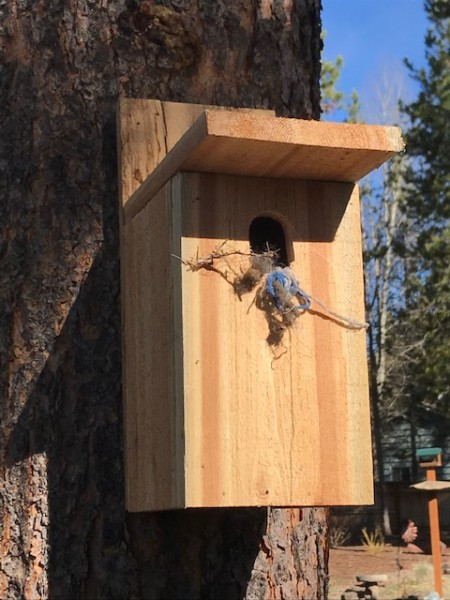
(425, 322)
(331, 98)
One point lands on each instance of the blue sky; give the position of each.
(373, 37)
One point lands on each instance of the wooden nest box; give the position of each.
(231, 400)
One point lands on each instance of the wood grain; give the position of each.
(147, 130)
(286, 426)
(268, 146)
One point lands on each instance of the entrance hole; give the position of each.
(266, 234)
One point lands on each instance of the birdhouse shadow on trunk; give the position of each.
(73, 417)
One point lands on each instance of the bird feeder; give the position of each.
(430, 459)
(234, 396)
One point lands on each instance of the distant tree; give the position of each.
(382, 201)
(425, 321)
(331, 98)
(381, 216)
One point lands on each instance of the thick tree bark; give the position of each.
(63, 65)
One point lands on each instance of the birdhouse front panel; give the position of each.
(274, 413)
(245, 371)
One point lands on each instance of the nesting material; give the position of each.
(277, 290)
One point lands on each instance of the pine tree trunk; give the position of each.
(63, 64)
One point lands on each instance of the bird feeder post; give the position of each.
(433, 512)
(430, 458)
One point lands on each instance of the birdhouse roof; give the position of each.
(261, 145)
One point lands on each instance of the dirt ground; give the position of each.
(409, 575)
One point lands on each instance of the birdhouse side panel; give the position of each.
(153, 419)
